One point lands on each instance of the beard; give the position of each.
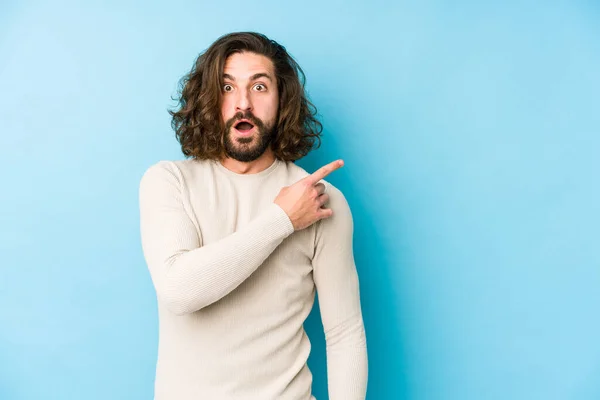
(247, 149)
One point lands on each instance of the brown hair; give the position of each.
(198, 124)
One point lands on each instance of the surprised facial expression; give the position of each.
(249, 105)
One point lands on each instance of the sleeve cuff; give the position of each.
(282, 221)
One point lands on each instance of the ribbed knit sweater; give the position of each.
(234, 284)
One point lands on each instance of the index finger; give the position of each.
(324, 171)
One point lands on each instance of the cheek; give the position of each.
(275, 105)
(270, 107)
(226, 111)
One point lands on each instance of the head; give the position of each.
(245, 77)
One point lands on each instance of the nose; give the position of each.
(243, 102)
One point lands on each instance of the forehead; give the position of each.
(244, 65)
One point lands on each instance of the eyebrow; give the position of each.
(252, 78)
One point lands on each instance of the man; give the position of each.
(238, 238)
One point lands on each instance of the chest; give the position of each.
(221, 208)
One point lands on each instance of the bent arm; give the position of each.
(186, 275)
(337, 285)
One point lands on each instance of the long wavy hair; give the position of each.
(197, 120)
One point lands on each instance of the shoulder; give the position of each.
(160, 170)
(159, 179)
(167, 180)
(164, 176)
(179, 171)
(341, 223)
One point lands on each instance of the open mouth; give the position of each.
(244, 127)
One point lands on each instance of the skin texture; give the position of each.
(249, 91)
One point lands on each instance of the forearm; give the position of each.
(347, 365)
(191, 280)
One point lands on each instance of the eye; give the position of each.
(227, 88)
(260, 87)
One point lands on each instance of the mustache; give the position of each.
(249, 116)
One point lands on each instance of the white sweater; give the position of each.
(235, 283)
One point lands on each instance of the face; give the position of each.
(249, 93)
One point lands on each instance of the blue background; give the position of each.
(471, 138)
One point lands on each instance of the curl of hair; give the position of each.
(197, 119)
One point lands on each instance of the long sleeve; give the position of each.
(337, 286)
(188, 276)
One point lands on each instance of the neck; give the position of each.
(252, 167)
